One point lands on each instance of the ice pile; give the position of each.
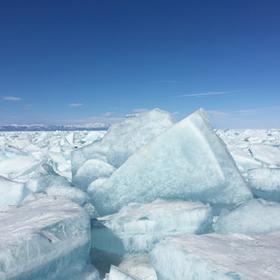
(121, 141)
(149, 199)
(187, 161)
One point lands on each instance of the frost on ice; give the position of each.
(187, 161)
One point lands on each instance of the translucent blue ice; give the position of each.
(188, 161)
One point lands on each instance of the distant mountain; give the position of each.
(42, 127)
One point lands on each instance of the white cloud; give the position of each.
(12, 98)
(139, 110)
(261, 117)
(208, 93)
(75, 105)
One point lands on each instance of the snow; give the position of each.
(140, 226)
(188, 161)
(265, 183)
(218, 257)
(253, 217)
(44, 236)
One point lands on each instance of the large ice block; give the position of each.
(44, 239)
(124, 138)
(254, 217)
(218, 257)
(265, 183)
(139, 226)
(11, 193)
(188, 161)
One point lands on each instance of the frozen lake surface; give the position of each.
(148, 199)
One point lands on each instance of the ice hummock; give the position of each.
(44, 238)
(187, 161)
(139, 226)
(253, 217)
(218, 257)
(123, 139)
(265, 183)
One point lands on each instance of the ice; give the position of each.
(265, 183)
(71, 193)
(253, 217)
(91, 170)
(218, 257)
(43, 177)
(267, 154)
(17, 165)
(44, 239)
(118, 274)
(188, 161)
(138, 266)
(139, 226)
(11, 193)
(124, 138)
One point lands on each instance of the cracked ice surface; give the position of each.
(44, 237)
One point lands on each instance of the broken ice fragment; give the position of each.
(44, 237)
(11, 193)
(265, 183)
(139, 226)
(252, 217)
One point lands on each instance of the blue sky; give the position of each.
(82, 61)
